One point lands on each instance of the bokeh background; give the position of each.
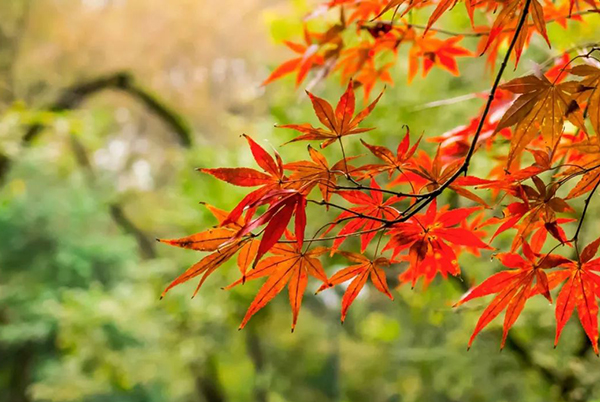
(106, 108)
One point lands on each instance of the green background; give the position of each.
(81, 204)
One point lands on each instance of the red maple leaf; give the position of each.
(360, 217)
(308, 174)
(307, 59)
(359, 273)
(431, 174)
(339, 123)
(283, 202)
(513, 287)
(425, 235)
(539, 206)
(580, 290)
(392, 163)
(435, 52)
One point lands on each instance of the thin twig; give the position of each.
(358, 214)
(575, 237)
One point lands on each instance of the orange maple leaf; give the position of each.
(359, 274)
(289, 266)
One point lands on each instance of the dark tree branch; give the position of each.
(72, 97)
(575, 238)
(427, 198)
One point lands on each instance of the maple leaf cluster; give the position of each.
(363, 39)
(541, 131)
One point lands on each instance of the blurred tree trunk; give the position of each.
(256, 353)
(207, 381)
(17, 362)
(21, 373)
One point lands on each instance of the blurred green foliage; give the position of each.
(80, 318)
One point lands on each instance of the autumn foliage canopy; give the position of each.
(541, 130)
